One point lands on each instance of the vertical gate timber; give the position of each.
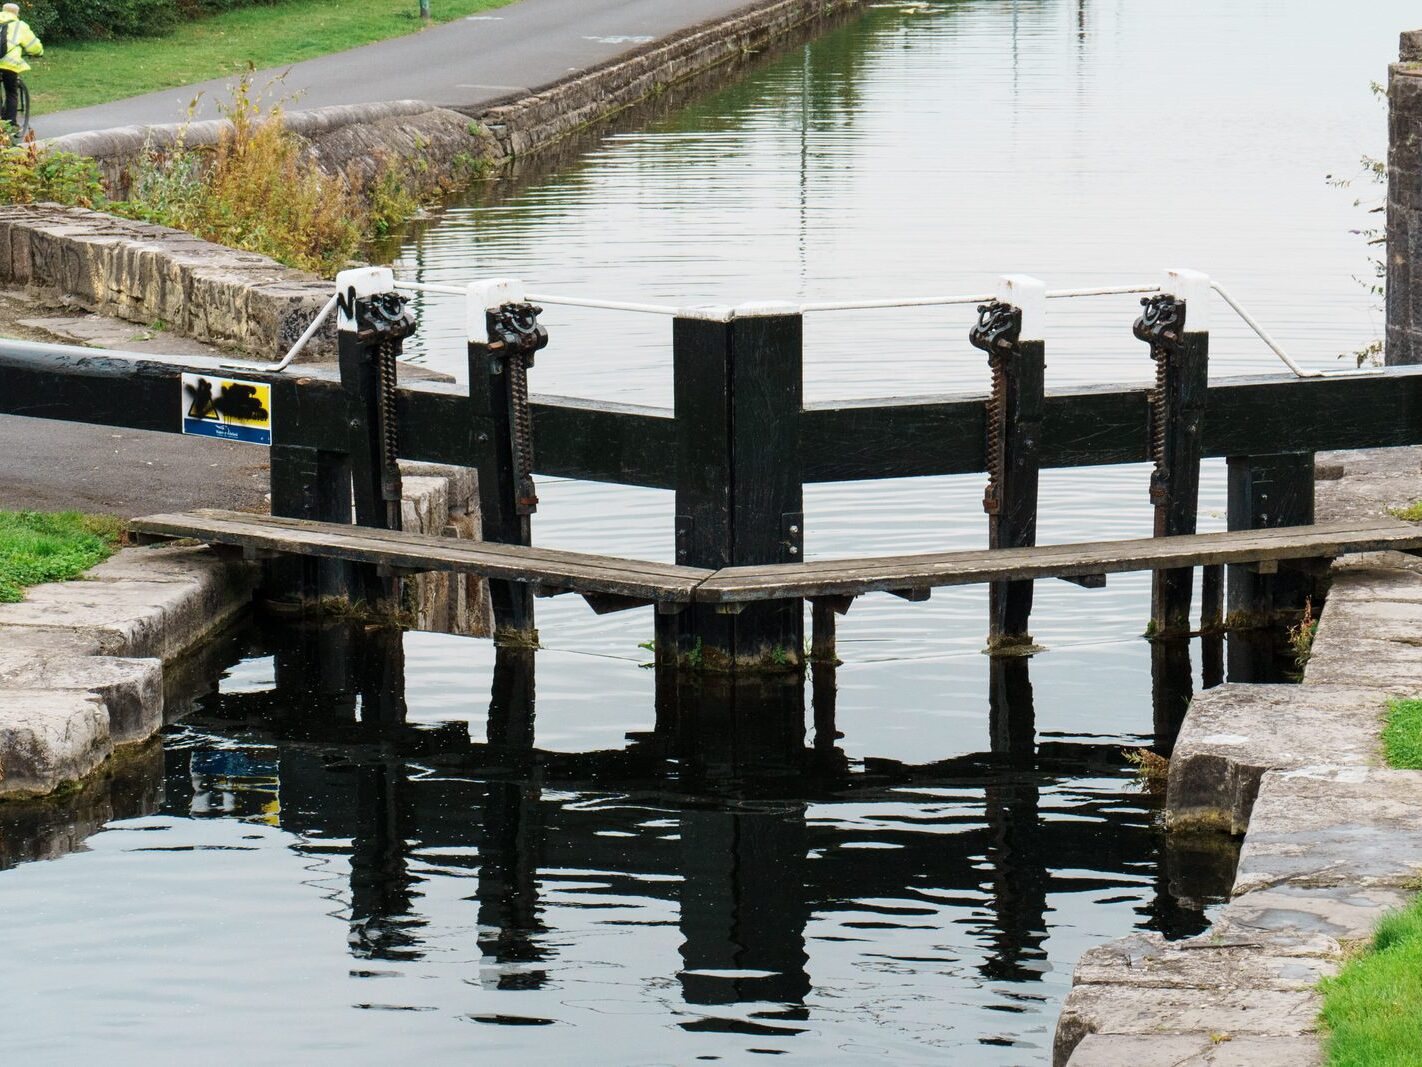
(1267, 492)
(739, 483)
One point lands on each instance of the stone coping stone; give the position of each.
(1121, 1010)
(81, 662)
(48, 737)
(1354, 827)
(132, 616)
(1234, 733)
(1200, 1049)
(1370, 634)
(1312, 918)
(132, 689)
(1242, 958)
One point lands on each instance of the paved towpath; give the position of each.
(514, 49)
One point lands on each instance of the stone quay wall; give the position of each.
(1332, 838)
(146, 273)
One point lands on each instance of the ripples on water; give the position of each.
(644, 890)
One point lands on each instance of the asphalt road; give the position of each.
(64, 466)
(514, 49)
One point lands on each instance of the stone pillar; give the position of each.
(1404, 203)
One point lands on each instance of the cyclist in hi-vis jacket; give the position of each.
(17, 41)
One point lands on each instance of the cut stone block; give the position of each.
(49, 737)
(172, 563)
(131, 689)
(1234, 733)
(1313, 916)
(129, 617)
(1155, 1012)
(1239, 959)
(1353, 826)
(1202, 1049)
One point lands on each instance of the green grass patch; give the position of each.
(80, 73)
(1412, 513)
(1402, 736)
(1372, 1010)
(49, 547)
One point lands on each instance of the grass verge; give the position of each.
(1402, 735)
(49, 547)
(81, 73)
(1371, 1009)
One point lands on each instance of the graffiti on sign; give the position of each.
(227, 408)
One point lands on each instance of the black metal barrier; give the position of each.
(740, 444)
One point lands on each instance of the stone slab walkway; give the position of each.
(1333, 840)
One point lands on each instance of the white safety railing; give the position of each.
(816, 307)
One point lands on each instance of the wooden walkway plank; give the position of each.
(889, 573)
(667, 583)
(575, 571)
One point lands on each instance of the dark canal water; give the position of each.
(902, 861)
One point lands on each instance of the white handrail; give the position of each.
(431, 287)
(295, 350)
(1263, 334)
(895, 302)
(1101, 290)
(608, 305)
(855, 305)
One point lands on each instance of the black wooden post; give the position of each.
(1266, 492)
(372, 321)
(503, 336)
(308, 483)
(1175, 323)
(1012, 717)
(1010, 330)
(1171, 687)
(739, 493)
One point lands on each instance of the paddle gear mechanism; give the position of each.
(1161, 325)
(997, 331)
(514, 336)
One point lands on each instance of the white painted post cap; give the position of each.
(364, 281)
(1029, 295)
(765, 309)
(486, 296)
(1193, 287)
